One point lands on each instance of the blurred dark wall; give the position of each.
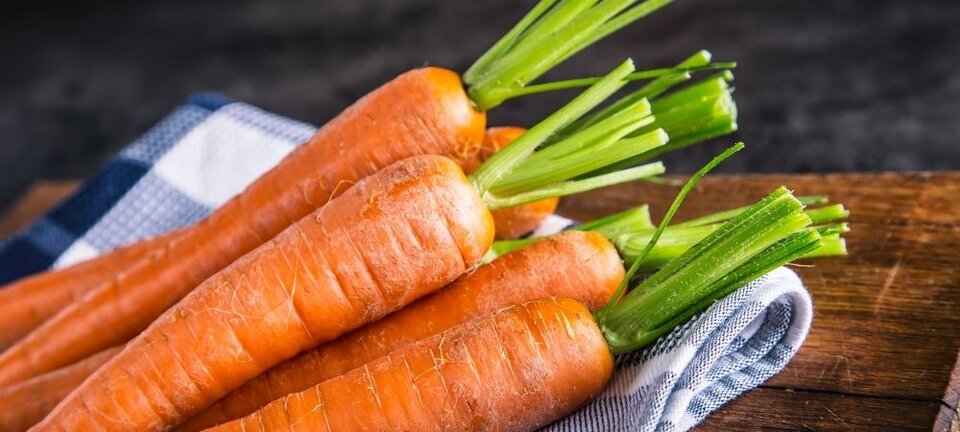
(838, 85)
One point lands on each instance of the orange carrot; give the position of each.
(424, 111)
(395, 236)
(516, 370)
(512, 222)
(580, 265)
(27, 303)
(27, 402)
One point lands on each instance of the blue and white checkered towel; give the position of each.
(210, 148)
(194, 160)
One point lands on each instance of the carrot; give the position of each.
(27, 402)
(531, 364)
(516, 370)
(512, 222)
(424, 111)
(395, 236)
(580, 265)
(27, 303)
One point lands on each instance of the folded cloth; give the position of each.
(730, 348)
(197, 157)
(210, 148)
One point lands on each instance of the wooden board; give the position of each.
(882, 353)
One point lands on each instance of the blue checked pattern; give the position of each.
(210, 148)
(195, 159)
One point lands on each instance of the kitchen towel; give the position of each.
(210, 148)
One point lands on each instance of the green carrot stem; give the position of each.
(650, 90)
(631, 231)
(522, 173)
(502, 46)
(833, 245)
(570, 187)
(691, 115)
(612, 149)
(548, 35)
(630, 220)
(828, 213)
(612, 226)
(678, 238)
(666, 78)
(684, 191)
(503, 163)
(769, 234)
(730, 214)
(794, 246)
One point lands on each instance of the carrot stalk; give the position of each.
(653, 89)
(769, 234)
(670, 76)
(552, 32)
(726, 215)
(512, 222)
(501, 164)
(631, 231)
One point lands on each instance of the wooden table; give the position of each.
(882, 353)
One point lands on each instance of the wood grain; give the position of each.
(882, 353)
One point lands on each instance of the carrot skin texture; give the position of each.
(512, 222)
(576, 264)
(396, 236)
(27, 402)
(516, 370)
(27, 303)
(424, 111)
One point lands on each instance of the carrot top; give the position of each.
(579, 147)
(553, 31)
(533, 167)
(771, 233)
(631, 231)
(703, 259)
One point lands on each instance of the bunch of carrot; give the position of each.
(424, 111)
(324, 274)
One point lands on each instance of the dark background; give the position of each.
(838, 85)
